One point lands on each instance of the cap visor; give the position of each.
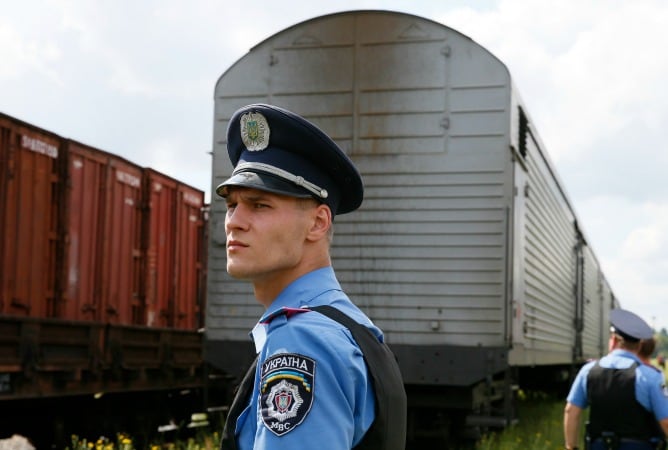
(262, 182)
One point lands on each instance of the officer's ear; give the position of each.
(618, 340)
(322, 222)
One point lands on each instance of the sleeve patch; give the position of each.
(286, 391)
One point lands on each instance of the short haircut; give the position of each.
(647, 347)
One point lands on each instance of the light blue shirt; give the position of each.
(650, 389)
(312, 389)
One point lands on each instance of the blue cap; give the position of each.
(275, 150)
(629, 325)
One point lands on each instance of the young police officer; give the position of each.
(311, 388)
(628, 399)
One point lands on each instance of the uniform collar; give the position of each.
(295, 296)
(626, 354)
(300, 292)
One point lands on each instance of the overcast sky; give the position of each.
(136, 78)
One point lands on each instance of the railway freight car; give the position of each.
(466, 251)
(101, 279)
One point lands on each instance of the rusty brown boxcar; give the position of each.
(190, 244)
(102, 262)
(173, 230)
(159, 232)
(28, 215)
(121, 243)
(81, 223)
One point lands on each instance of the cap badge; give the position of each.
(254, 131)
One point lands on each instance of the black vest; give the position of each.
(614, 407)
(388, 430)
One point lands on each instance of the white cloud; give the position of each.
(21, 54)
(584, 68)
(631, 242)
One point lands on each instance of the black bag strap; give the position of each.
(228, 440)
(388, 431)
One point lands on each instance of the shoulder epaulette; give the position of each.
(284, 311)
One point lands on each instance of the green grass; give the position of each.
(540, 426)
(203, 441)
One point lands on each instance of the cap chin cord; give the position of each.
(296, 179)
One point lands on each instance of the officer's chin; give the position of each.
(236, 271)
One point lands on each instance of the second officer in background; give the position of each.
(628, 399)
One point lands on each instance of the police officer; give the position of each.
(628, 399)
(311, 387)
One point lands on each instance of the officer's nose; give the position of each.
(236, 218)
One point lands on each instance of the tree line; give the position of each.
(661, 343)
